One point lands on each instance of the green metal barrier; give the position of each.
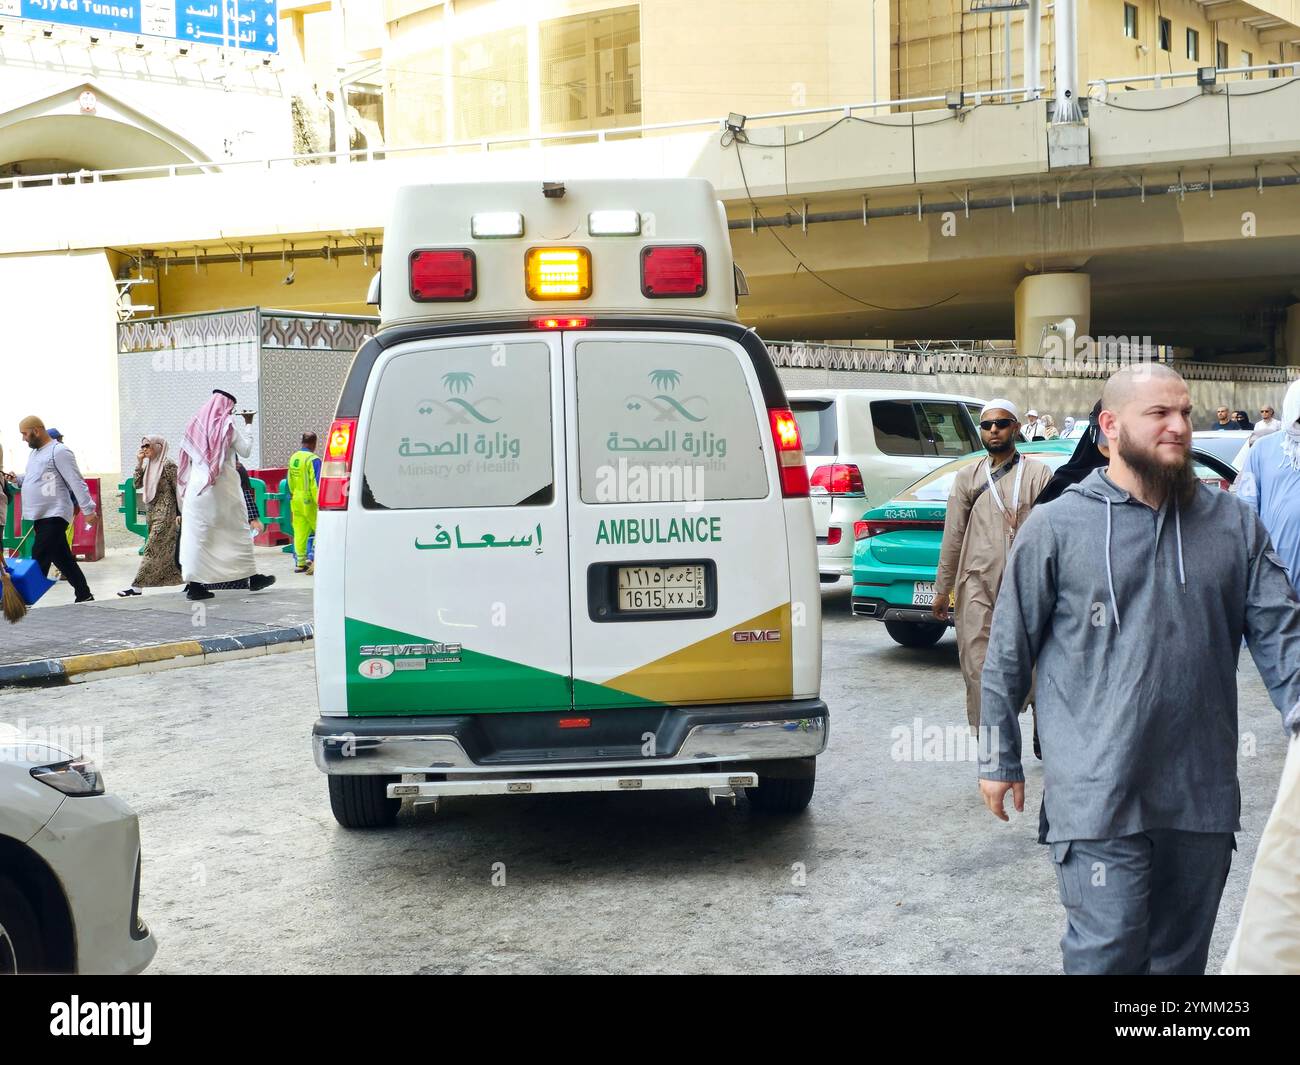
(13, 536)
(131, 508)
(283, 522)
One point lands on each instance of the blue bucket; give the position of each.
(28, 579)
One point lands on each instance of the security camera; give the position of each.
(288, 278)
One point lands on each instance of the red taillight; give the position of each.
(443, 275)
(672, 270)
(789, 453)
(560, 323)
(840, 479)
(863, 530)
(336, 466)
(575, 722)
(834, 535)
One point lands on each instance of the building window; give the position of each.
(1166, 35)
(591, 70)
(1247, 60)
(1221, 55)
(490, 84)
(1193, 45)
(1130, 21)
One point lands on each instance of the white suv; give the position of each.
(865, 445)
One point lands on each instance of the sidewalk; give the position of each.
(60, 641)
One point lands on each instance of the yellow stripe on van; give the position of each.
(741, 662)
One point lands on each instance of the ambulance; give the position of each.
(564, 542)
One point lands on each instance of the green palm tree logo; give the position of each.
(665, 379)
(458, 382)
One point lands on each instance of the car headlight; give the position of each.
(76, 776)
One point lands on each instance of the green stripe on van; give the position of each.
(475, 683)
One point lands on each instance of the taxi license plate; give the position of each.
(661, 589)
(923, 593)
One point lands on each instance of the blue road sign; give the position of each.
(249, 24)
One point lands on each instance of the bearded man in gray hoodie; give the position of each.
(1131, 594)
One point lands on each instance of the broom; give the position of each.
(13, 606)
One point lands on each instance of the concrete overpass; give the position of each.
(1174, 215)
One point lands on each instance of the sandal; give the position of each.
(128, 591)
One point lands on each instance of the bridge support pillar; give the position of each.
(1291, 336)
(1052, 310)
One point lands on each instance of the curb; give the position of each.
(76, 669)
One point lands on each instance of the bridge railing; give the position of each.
(814, 356)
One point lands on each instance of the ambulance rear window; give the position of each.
(462, 426)
(666, 419)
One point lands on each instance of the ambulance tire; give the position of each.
(363, 802)
(915, 633)
(783, 795)
(21, 948)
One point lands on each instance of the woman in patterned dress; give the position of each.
(155, 473)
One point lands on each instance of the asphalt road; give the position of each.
(895, 867)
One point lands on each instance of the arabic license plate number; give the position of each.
(649, 589)
(923, 593)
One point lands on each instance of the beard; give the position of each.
(1163, 480)
(999, 449)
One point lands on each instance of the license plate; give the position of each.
(923, 593)
(660, 589)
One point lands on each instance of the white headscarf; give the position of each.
(1290, 414)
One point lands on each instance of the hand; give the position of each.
(11, 477)
(178, 521)
(994, 793)
(256, 526)
(141, 455)
(91, 519)
(939, 608)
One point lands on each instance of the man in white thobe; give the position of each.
(216, 544)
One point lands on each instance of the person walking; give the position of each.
(53, 482)
(1031, 430)
(1266, 424)
(155, 477)
(1267, 939)
(989, 500)
(215, 544)
(257, 581)
(304, 478)
(1090, 452)
(1131, 594)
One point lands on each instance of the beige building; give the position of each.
(942, 45)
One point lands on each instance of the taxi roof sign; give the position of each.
(672, 212)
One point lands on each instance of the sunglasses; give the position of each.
(1268, 411)
(1001, 423)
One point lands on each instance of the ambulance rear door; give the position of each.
(456, 589)
(680, 580)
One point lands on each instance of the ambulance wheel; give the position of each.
(363, 802)
(915, 633)
(783, 795)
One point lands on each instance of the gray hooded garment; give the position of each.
(1134, 619)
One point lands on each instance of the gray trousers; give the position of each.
(1142, 904)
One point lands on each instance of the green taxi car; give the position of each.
(896, 545)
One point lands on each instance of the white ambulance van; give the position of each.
(565, 542)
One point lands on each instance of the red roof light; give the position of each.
(672, 270)
(443, 275)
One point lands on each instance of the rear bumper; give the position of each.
(880, 610)
(515, 744)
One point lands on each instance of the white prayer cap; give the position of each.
(1031, 414)
(1001, 404)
